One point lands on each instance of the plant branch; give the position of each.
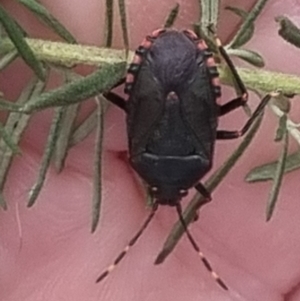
(70, 55)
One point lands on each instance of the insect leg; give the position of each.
(130, 244)
(240, 100)
(207, 197)
(116, 100)
(197, 249)
(243, 98)
(203, 191)
(257, 112)
(231, 105)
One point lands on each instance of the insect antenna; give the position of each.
(197, 249)
(130, 244)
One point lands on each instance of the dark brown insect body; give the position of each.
(172, 113)
(172, 117)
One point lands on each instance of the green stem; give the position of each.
(70, 55)
(262, 80)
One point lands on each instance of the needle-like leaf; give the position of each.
(15, 125)
(46, 17)
(98, 82)
(46, 159)
(249, 56)
(278, 175)
(288, 30)
(109, 19)
(122, 9)
(17, 37)
(247, 34)
(248, 22)
(172, 16)
(267, 171)
(97, 179)
(209, 14)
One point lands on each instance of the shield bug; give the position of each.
(172, 117)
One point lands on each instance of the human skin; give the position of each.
(57, 258)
